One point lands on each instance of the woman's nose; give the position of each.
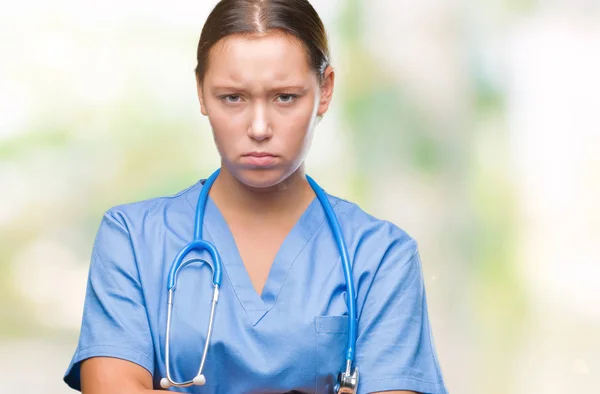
(259, 128)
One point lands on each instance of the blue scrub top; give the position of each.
(292, 338)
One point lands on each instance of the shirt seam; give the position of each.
(145, 356)
(438, 382)
(130, 241)
(375, 275)
(138, 277)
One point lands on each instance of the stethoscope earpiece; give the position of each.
(164, 383)
(199, 380)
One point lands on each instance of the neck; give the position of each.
(286, 198)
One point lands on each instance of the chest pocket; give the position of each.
(332, 337)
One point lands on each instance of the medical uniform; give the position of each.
(292, 338)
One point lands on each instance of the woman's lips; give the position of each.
(259, 159)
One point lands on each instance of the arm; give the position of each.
(396, 392)
(395, 347)
(103, 375)
(100, 375)
(115, 342)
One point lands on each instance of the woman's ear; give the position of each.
(201, 96)
(327, 84)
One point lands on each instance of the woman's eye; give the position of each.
(232, 98)
(286, 98)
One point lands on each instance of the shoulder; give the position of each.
(381, 253)
(370, 238)
(155, 210)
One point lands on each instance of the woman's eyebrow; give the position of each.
(276, 88)
(301, 88)
(228, 88)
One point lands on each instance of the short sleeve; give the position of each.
(115, 322)
(395, 347)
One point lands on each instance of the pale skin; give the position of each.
(260, 95)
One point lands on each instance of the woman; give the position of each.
(281, 324)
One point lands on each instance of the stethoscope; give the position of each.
(347, 380)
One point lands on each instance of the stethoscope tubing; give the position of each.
(198, 244)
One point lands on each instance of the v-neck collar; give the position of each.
(216, 228)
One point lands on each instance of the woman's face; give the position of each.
(262, 100)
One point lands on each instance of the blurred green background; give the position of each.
(475, 126)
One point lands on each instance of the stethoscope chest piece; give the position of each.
(347, 382)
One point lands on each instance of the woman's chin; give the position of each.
(262, 179)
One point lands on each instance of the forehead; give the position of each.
(274, 56)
